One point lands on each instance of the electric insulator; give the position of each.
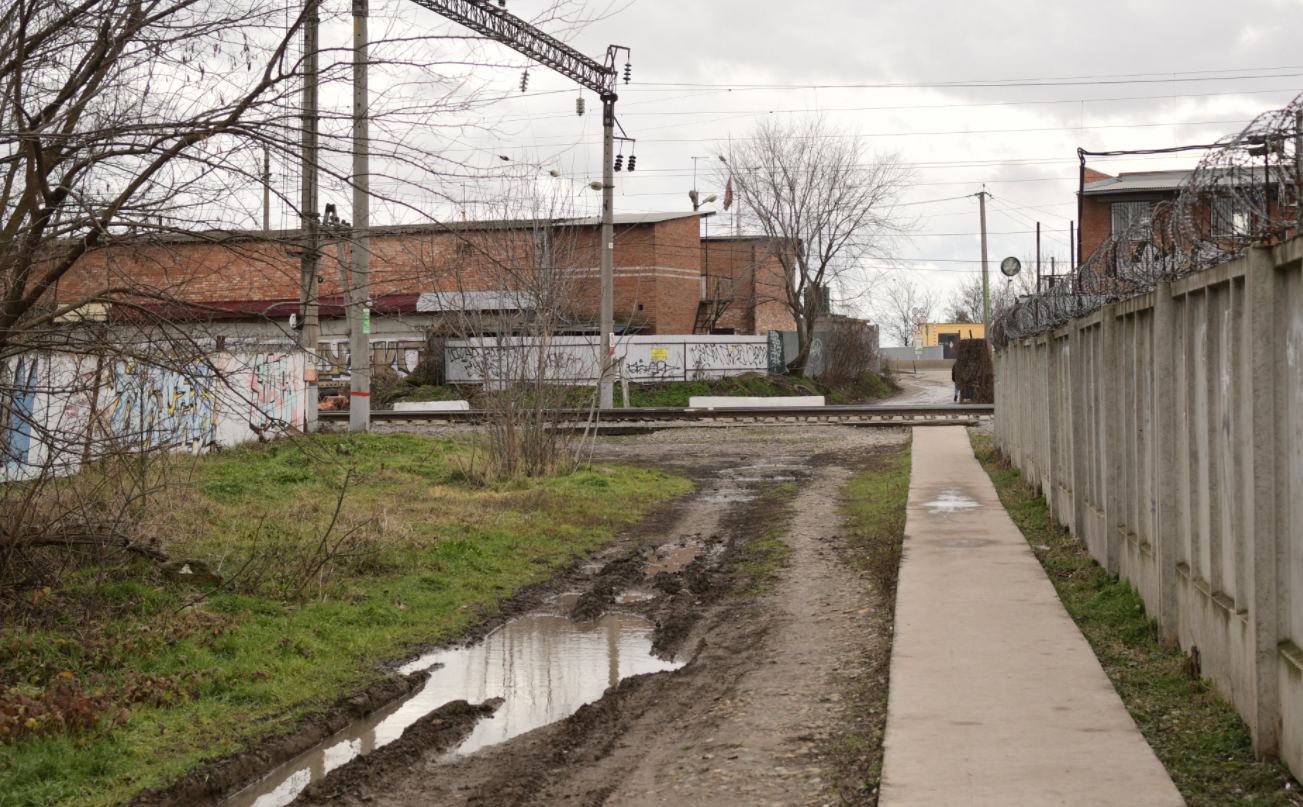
(633, 162)
(628, 72)
(524, 80)
(579, 105)
(619, 161)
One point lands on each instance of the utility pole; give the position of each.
(1038, 257)
(986, 277)
(359, 338)
(308, 213)
(1298, 154)
(606, 396)
(496, 24)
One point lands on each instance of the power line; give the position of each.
(901, 107)
(1071, 81)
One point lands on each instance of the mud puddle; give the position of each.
(774, 471)
(670, 559)
(731, 496)
(629, 597)
(543, 667)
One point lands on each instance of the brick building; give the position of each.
(668, 280)
(1109, 204)
(1112, 204)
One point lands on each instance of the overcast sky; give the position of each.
(996, 93)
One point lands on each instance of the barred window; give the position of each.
(1131, 217)
(1230, 217)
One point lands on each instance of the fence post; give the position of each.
(1077, 385)
(1264, 612)
(1054, 415)
(1167, 526)
(1112, 402)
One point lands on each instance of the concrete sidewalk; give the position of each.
(996, 698)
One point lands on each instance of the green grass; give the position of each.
(874, 507)
(1199, 737)
(873, 512)
(764, 555)
(434, 547)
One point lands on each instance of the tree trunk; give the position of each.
(803, 339)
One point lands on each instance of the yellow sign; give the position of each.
(660, 354)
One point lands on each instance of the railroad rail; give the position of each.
(664, 417)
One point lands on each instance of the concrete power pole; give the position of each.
(359, 340)
(986, 276)
(607, 393)
(497, 24)
(309, 215)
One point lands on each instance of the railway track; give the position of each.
(674, 417)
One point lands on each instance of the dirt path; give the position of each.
(759, 744)
(926, 387)
(750, 716)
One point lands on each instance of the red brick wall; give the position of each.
(657, 283)
(748, 270)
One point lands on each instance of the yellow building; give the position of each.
(946, 334)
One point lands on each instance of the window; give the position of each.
(1230, 217)
(1131, 219)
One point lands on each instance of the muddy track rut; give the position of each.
(749, 715)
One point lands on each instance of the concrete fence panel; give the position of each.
(1166, 432)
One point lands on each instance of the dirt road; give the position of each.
(750, 716)
(925, 387)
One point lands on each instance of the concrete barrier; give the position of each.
(724, 402)
(432, 406)
(1166, 431)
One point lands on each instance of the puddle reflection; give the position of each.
(672, 558)
(544, 667)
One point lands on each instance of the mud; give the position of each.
(209, 785)
(749, 693)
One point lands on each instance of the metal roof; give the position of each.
(1139, 183)
(436, 301)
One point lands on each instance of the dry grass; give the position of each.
(318, 592)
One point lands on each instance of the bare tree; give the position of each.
(131, 127)
(524, 282)
(909, 303)
(827, 204)
(966, 301)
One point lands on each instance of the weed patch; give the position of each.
(873, 506)
(765, 555)
(118, 678)
(1199, 738)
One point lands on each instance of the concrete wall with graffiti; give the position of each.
(46, 423)
(574, 359)
(396, 353)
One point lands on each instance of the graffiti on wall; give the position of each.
(574, 360)
(654, 369)
(274, 391)
(161, 408)
(16, 405)
(399, 355)
(777, 365)
(727, 355)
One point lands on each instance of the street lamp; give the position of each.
(697, 202)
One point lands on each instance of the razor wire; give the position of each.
(1247, 190)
